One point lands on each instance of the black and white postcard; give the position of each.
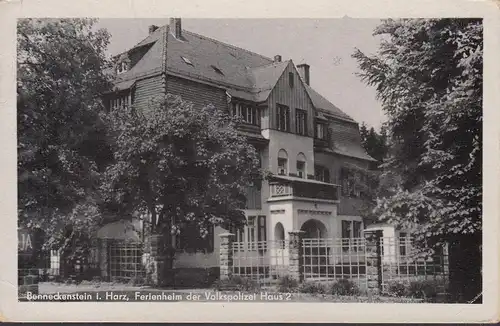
(195, 163)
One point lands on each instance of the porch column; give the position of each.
(226, 256)
(295, 255)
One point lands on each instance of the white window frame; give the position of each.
(283, 118)
(320, 130)
(249, 114)
(282, 168)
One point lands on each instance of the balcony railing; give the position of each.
(281, 187)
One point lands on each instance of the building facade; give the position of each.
(305, 141)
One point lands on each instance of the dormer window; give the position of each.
(320, 130)
(187, 61)
(217, 70)
(122, 67)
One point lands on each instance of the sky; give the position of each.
(325, 44)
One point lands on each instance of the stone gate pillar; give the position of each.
(226, 256)
(159, 266)
(103, 245)
(373, 261)
(295, 255)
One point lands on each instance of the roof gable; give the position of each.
(243, 73)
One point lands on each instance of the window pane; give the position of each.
(282, 163)
(300, 169)
(346, 229)
(356, 229)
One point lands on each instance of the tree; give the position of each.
(428, 76)
(374, 143)
(61, 151)
(181, 165)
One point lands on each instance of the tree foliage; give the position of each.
(428, 76)
(180, 165)
(61, 151)
(375, 143)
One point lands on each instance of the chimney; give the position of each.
(304, 72)
(277, 58)
(175, 27)
(152, 28)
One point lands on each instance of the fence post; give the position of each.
(295, 255)
(374, 261)
(104, 258)
(226, 256)
(28, 282)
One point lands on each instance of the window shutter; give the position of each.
(261, 224)
(287, 119)
(261, 232)
(278, 122)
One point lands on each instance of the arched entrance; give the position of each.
(316, 253)
(314, 229)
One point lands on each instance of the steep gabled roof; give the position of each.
(320, 102)
(245, 74)
(242, 73)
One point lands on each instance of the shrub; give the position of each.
(287, 284)
(236, 283)
(312, 288)
(191, 278)
(423, 289)
(396, 289)
(344, 287)
(136, 280)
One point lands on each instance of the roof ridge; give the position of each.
(270, 64)
(228, 45)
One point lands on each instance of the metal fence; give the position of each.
(333, 259)
(402, 261)
(126, 261)
(327, 260)
(262, 261)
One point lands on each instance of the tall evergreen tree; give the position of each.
(428, 76)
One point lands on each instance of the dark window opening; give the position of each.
(291, 79)
(301, 121)
(321, 173)
(283, 118)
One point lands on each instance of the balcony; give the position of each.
(283, 186)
